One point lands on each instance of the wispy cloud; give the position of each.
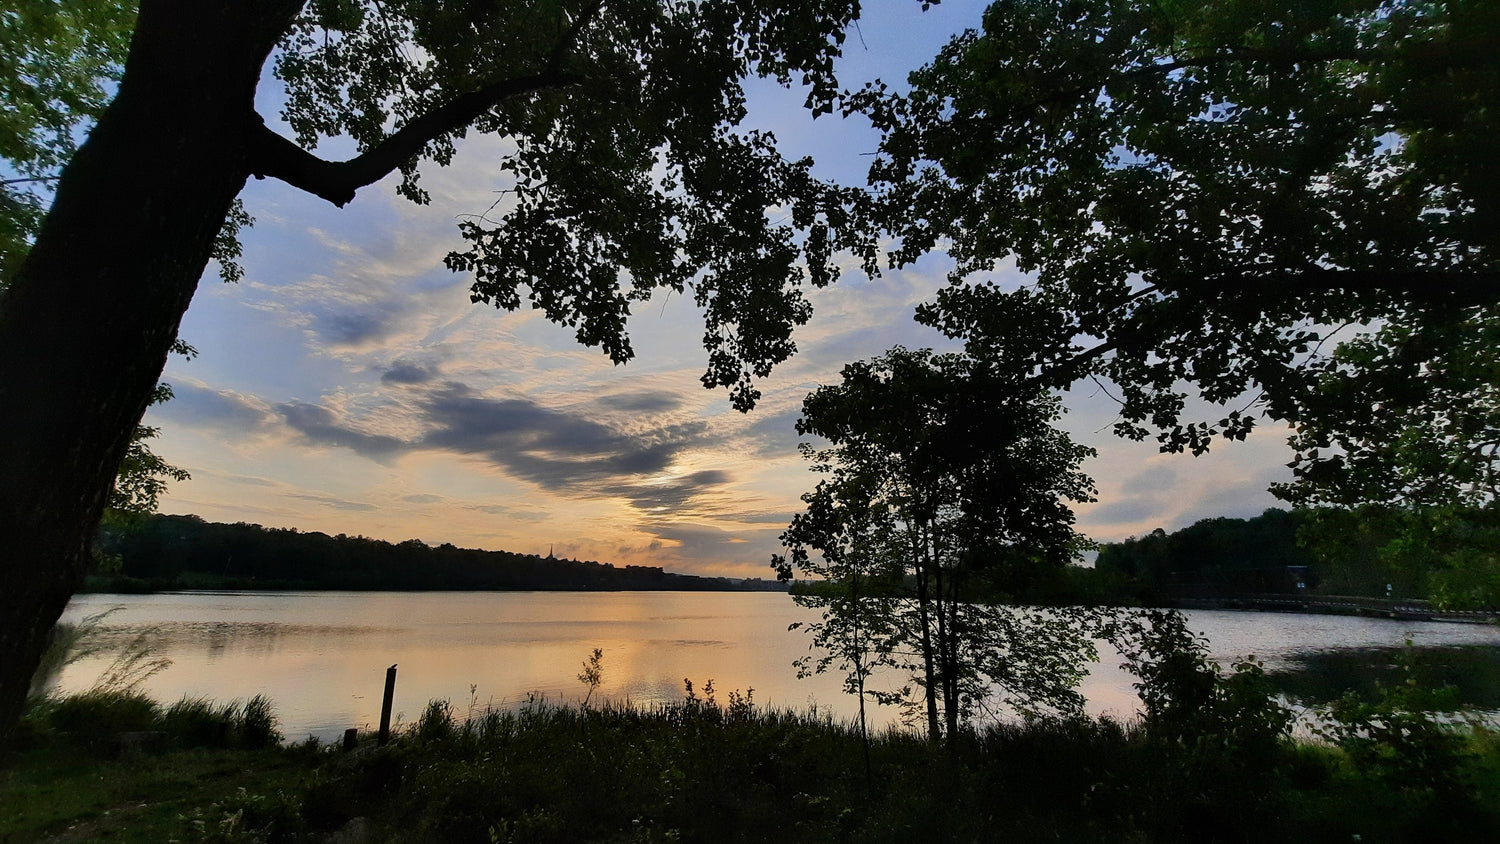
(333, 501)
(201, 406)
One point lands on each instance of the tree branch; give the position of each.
(336, 181)
(1456, 288)
(9, 182)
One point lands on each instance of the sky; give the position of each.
(348, 385)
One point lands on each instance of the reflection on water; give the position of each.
(322, 656)
(1471, 671)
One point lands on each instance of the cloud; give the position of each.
(1129, 511)
(509, 512)
(1155, 479)
(642, 402)
(423, 498)
(675, 495)
(407, 372)
(1242, 501)
(318, 425)
(249, 481)
(330, 501)
(199, 406)
(775, 434)
(367, 324)
(552, 448)
(782, 518)
(699, 542)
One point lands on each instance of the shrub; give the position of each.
(96, 715)
(197, 722)
(1191, 702)
(258, 723)
(1402, 738)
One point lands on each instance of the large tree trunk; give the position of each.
(90, 316)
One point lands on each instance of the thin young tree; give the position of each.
(942, 477)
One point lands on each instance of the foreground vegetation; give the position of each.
(698, 770)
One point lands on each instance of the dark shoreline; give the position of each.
(120, 585)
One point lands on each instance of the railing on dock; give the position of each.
(1402, 609)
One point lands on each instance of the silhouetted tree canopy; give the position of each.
(1205, 192)
(942, 475)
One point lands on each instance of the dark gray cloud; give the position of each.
(408, 372)
(705, 542)
(354, 326)
(674, 496)
(558, 450)
(423, 498)
(775, 434)
(642, 402)
(318, 425)
(552, 448)
(203, 407)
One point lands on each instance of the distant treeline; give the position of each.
(1448, 555)
(1219, 556)
(1213, 558)
(185, 552)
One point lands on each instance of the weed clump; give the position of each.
(104, 722)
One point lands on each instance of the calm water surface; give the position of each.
(321, 657)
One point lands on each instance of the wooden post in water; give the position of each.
(385, 706)
(351, 739)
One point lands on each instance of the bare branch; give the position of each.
(7, 182)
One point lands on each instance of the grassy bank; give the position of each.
(701, 771)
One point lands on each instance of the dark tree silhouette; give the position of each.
(1205, 194)
(945, 473)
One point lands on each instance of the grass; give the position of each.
(701, 771)
(117, 765)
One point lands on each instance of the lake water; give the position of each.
(321, 657)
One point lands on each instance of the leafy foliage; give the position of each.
(1410, 737)
(60, 63)
(1201, 190)
(939, 481)
(1188, 699)
(1435, 438)
(592, 674)
(143, 476)
(629, 171)
(1447, 554)
(56, 62)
